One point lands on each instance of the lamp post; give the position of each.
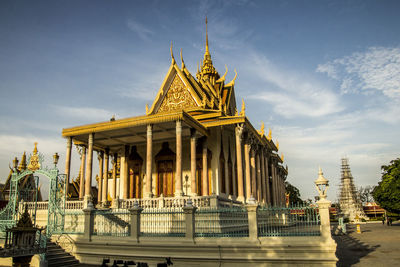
(55, 159)
(322, 186)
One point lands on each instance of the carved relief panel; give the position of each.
(177, 98)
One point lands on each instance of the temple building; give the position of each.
(192, 141)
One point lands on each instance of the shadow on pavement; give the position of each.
(349, 250)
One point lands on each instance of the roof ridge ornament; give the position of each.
(183, 63)
(172, 55)
(269, 137)
(223, 76)
(262, 132)
(243, 111)
(232, 83)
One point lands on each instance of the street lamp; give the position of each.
(322, 185)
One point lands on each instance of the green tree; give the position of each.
(387, 193)
(294, 192)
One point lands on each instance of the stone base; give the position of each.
(265, 251)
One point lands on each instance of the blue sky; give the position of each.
(323, 75)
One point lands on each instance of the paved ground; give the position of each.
(377, 245)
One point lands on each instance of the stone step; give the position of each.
(56, 256)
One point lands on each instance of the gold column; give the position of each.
(193, 161)
(205, 170)
(239, 163)
(258, 169)
(105, 179)
(248, 171)
(267, 188)
(178, 190)
(68, 161)
(114, 176)
(253, 173)
(100, 182)
(89, 164)
(125, 173)
(263, 178)
(227, 181)
(82, 173)
(149, 160)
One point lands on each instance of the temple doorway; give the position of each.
(165, 162)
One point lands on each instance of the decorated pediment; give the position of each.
(177, 97)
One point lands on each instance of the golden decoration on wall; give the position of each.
(34, 161)
(177, 98)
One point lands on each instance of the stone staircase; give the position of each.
(56, 256)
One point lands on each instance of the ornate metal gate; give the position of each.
(57, 194)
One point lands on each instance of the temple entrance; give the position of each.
(165, 162)
(135, 176)
(166, 181)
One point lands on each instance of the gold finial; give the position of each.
(262, 132)
(223, 76)
(35, 150)
(232, 83)
(282, 157)
(147, 109)
(277, 144)
(172, 55)
(269, 137)
(183, 63)
(243, 111)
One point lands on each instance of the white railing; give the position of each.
(178, 202)
(44, 205)
(74, 205)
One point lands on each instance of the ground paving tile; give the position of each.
(377, 245)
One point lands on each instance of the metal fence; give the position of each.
(221, 222)
(162, 222)
(290, 221)
(111, 222)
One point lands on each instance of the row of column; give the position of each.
(258, 164)
(256, 159)
(87, 160)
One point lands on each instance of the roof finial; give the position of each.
(243, 111)
(232, 83)
(172, 55)
(183, 63)
(269, 137)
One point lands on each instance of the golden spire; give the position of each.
(207, 69)
(22, 164)
(207, 50)
(282, 157)
(35, 149)
(277, 144)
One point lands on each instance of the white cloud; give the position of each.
(84, 113)
(377, 69)
(296, 95)
(142, 31)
